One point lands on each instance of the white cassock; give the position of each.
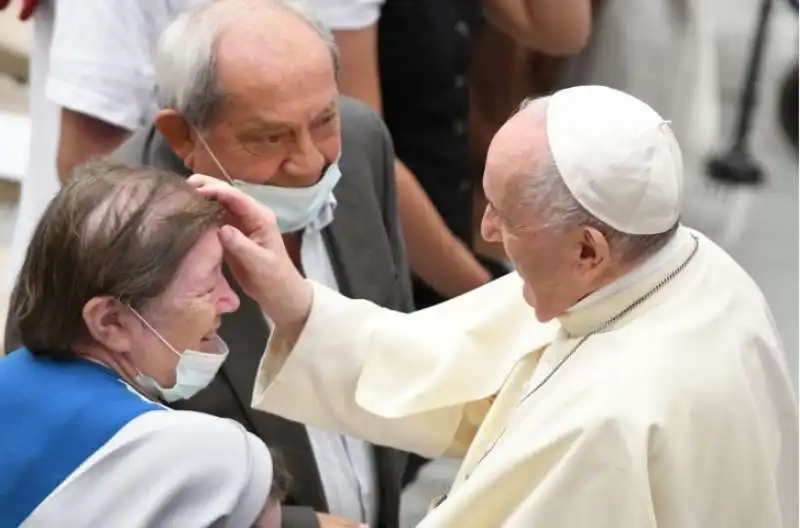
(679, 414)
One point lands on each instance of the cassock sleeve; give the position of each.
(419, 382)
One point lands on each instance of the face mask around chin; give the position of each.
(194, 372)
(295, 208)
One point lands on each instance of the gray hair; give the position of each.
(186, 55)
(545, 193)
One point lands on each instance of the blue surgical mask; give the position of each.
(295, 207)
(194, 372)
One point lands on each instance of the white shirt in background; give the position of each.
(94, 58)
(347, 14)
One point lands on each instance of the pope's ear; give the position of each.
(595, 249)
(177, 133)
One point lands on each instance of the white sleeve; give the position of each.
(347, 14)
(166, 468)
(101, 58)
(417, 382)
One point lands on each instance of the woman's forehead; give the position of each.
(203, 259)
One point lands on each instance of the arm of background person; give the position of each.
(83, 137)
(435, 254)
(271, 516)
(103, 82)
(554, 27)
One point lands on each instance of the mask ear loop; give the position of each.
(138, 387)
(213, 156)
(152, 329)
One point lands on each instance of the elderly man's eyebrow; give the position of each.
(328, 110)
(257, 125)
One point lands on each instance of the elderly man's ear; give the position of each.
(178, 134)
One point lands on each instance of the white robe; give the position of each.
(682, 415)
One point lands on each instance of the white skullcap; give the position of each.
(618, 157)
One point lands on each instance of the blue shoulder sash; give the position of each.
(53, 416)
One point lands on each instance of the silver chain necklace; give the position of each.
(607, 324)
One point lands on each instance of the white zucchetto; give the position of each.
(618, 157)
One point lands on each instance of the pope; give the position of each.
(630, 375)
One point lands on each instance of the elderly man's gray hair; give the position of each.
(544, 192)
(186, 55)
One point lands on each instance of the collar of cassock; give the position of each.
(593, 311)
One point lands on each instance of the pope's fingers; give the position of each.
(236, 244)
(207, 185)
(198, 180)
(244, 212)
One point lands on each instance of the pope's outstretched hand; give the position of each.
(256, 255)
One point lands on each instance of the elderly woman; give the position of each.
(118, 302)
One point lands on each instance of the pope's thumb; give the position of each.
(239, 246)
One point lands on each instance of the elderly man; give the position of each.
(108, 333)
(653, 392)
(239, 103)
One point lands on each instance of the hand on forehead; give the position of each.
(243, 212)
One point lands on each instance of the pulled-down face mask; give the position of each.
(194, 372)
(295, 207)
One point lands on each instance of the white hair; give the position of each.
(186, 55)
(543, 193)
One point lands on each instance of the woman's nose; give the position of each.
(228, 300)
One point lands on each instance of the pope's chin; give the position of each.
(541, 315)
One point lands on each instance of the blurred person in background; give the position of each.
(107, 338)
(662, 52)
(238, 102)
(91, 85)
(410, 61)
